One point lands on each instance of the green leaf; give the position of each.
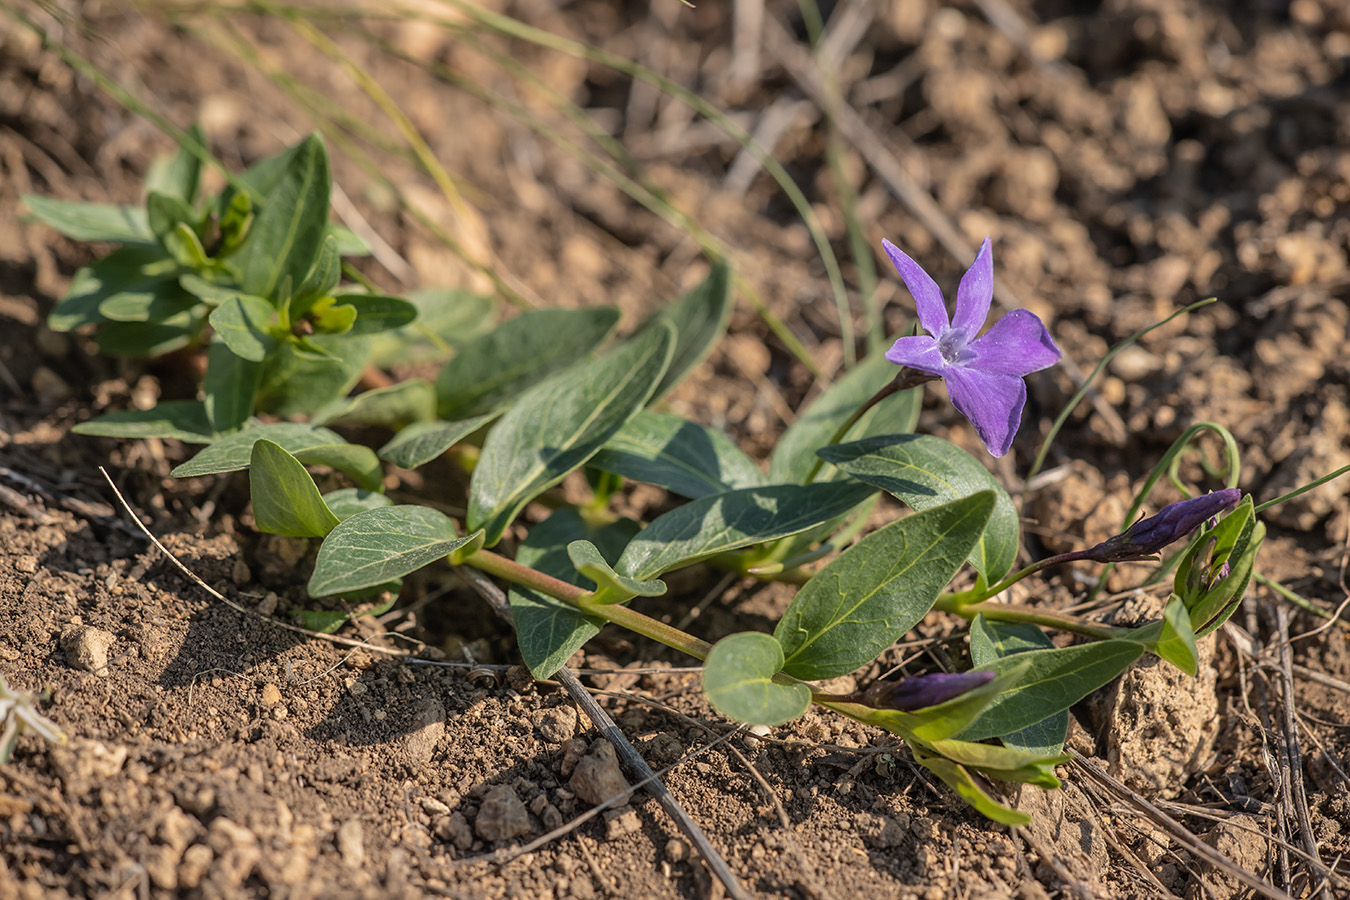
(557, 425)
(421, 442)
(711, 525)
(285, 499)
(320, 281)
(327, 621)
(184, 420)
(328, 318)
(1172, 638)
(229, 387)
(446, 319)
(289, 230)
(878, 589)
(185, 247)
(349, 243)
(991, 641)
(236, 222)
(92, 221)
(925, 471)
(1208, 599)
(1054, 680)
(960, 780)
(548, 630)
(242, 322)
(375, 313)
(141, 272)
(164, 212)
(233, 452)
(381, 544)
(489, 372)
(1241, 575)
(347, 502)
(700, 319)
(1003, 763)
(413, 400)
(209, 291)
(178, 175)
(150, 338)
(297, 382)
(358, 462)
(611, 586)
(678, 455)
(794, 456)
(738, 679)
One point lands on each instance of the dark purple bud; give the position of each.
(1172, 523)
(923, 690)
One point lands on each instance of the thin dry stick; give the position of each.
(1179, 832)
(627, 752)
(1293, 752)
(215, 594)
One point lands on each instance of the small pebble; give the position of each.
(87, 648)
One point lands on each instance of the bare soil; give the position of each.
(1128, 157)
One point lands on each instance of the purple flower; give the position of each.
(1173, 522)
(923, 691)
(984, 374)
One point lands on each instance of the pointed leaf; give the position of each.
(289, 230)
(878, 589)
(347, 502)
(700, 319)
(1055, 679)
(320, 281)
(421, 442)
(242, 322)
(1003, 763)
(678, 455)
(925, 471)
(349, 243)
(233, 452)
(413, 400)
(229, 387)
(358, 462)
(548, 630)
(489, 372)
(285, 499)
(991, 641)
(375, 313)
(184, 420)
(92, 221)
(611, 587)
(711, 525)
(961, 781)
(381, 544)
(297, 381)
(795, 453)
(557, 425)
(738, 679)
(446, 319)
(1176, 639)
(164, 212)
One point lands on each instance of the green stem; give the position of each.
(1303, 490)
(1007, 612)
(908, 378)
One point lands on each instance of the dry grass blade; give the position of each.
(627, 752)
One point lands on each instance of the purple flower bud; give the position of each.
(1172, 523)
(923, 690)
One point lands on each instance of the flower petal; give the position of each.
(1018, 344)
(993, 404)
(927, 295)
(975, 292)
(918, 352)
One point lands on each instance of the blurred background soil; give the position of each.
(1128, 157)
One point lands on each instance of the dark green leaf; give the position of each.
(375, 313)
(285, 500)
(991, 641)
(678, 455)
(164, 212)
(446, 319)
(1055, 679)
(184, 420)
(700, 319)
(794, 456)
(550, 631)
(209, 291)
(347, 502)
(924, 471)
(381, 544)
(711, 525)
(1206, 596)
(288, 231)
(878, 589)
(611, 586)
(244, 323)
(232, 452)
(320, 281)
(738, 679)
(143, 273)
(326, 621)
(92, 221)
(229, 387)
(297, 382)
(421, 442)
(1176, 642)
(413, 400)
(150, 338)
(557, 425)
(489, 372)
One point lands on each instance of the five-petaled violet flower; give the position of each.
(1173, 522)
(983, 374)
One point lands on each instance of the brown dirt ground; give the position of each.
(1128, 156)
